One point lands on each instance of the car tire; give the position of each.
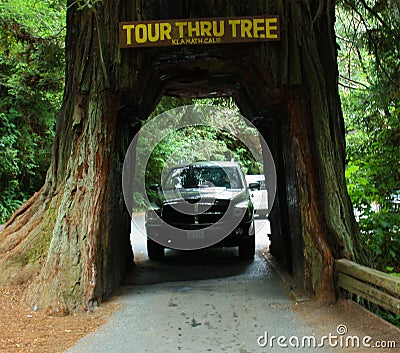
(247, 248)
(155, 251)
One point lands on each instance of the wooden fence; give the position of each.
(375, 286)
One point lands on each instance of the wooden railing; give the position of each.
(377, 287)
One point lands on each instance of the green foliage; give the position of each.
(388, 316)
(90, 4)
(201, 142)
(368, 35)
(235, 148)
(381, 232)
(31, 84)
(182, 146)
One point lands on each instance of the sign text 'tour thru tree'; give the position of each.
(198, 31)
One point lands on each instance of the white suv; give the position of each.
(199, 205)
(259, 197)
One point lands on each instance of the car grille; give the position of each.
(188, 221)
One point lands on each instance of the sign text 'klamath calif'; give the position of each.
(198, 31)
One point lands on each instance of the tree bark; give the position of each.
(71, 240)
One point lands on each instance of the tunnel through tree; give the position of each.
(72, 237)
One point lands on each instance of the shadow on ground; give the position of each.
(189, 266)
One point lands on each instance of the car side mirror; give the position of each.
(254, 186)
(154, 187)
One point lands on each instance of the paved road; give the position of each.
(204, 301)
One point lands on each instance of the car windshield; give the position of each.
(203, 176)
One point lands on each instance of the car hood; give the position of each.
(204, 195)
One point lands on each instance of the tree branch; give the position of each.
(374, 44)
(373, 12)
(353, 81)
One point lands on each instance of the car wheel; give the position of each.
(155, 251)
(247, 248)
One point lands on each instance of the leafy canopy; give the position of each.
(368, 35)
(31, 84)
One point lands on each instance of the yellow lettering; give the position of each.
(205, 28)
(195, 29)
(270, 27)
(156, 36)
(199, 31)
(245, 26)
(181, 26)
(258, 26)
(128, 33)
(221, 31)
(141, 33)
(234, 24)
(165, 31)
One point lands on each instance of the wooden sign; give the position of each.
(198, 31)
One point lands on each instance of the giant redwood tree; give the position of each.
(70, 241)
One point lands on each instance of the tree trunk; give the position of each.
(72, 238)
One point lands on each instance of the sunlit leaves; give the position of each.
(368, 35)
(197, 143)
(31, 84)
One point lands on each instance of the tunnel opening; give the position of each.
(201, 143)
(235, 71)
